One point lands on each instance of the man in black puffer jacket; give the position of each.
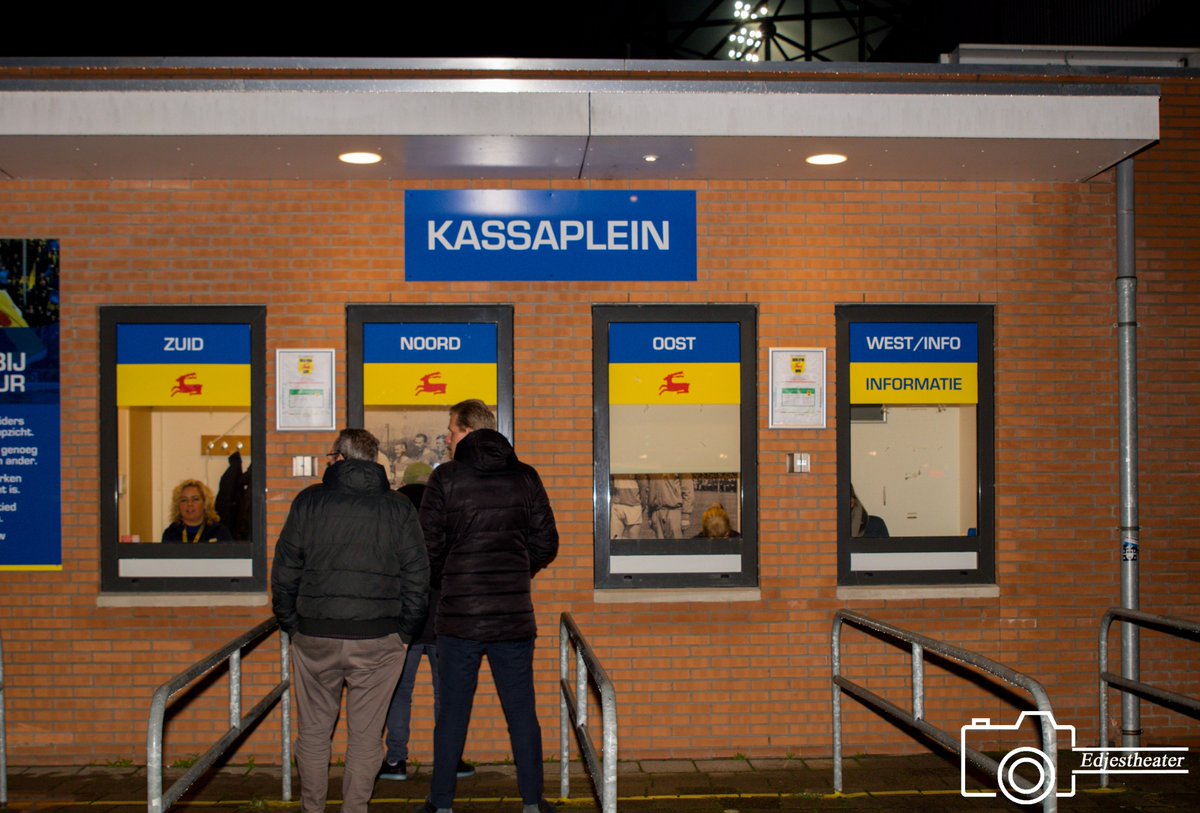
(350, 581)
(489, 528)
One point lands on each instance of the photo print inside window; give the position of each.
(412, 373)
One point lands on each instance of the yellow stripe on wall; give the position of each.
(679, 383)
(183, 385)
(427, 384)
(881, 383)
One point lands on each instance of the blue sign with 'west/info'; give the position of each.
(491, 235)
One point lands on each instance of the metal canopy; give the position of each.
(548, 124)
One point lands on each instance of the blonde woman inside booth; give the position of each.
(193, 518)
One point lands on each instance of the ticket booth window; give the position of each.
(407, 365)
(675, 441)
(915, 445)
(182, 392)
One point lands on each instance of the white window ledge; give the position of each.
(899, 591)
(664, 596)
(182, 600)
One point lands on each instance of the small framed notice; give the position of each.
(797, 388)
(305, 396)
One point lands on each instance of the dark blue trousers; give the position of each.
(511, 663)
(399, 716)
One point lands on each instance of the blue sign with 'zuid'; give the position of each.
(497, 235)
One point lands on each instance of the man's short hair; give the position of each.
(357, 444)
(473, 414)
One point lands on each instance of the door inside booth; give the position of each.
(408, 364)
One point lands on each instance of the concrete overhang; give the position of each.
(556, 126)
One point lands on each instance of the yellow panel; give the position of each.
(880, 383)
(678, 383)
(427, 384)
(179, 385)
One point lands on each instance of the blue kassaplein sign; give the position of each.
(511, 235)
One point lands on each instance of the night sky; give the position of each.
(919, 30)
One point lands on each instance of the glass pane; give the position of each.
(183, 440)
(913, 470)
(413, 372)
(675, 440)
(184, 475)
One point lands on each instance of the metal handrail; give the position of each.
(3, 736)
(573, 706)
(157, 800)
(920, 644)
(1178, 627)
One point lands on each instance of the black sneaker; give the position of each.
(543, 806)
(429, 807)
(464, 769)
(397, 771)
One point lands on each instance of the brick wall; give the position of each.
(693, 679)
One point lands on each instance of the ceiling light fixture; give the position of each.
(649, 159)
(360, 157)
(826, 159)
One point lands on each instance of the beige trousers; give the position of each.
(369, 669)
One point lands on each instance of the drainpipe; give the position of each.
(1131, 724)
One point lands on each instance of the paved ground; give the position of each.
(928, 784)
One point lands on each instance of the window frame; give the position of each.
(358, 316)
(255, 316)
(603, 579)
(984, 543)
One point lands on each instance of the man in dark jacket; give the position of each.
(350, 581)
(489, 528)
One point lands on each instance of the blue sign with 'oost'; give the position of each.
(518, 235)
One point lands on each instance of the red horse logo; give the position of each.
(671, 385)
(430, 386)
(185, 386)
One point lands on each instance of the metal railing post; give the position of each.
(154, 750)
(564, 731)
(285, 715)
(235, 687)
(836, 660)
(1102, 666)
(918, 681)
(581, 691)
(3, 737)
(608, 715)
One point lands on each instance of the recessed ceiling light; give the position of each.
(360, 157)
(826, 159)
(649, 159)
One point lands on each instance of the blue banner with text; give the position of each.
(30, 395)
